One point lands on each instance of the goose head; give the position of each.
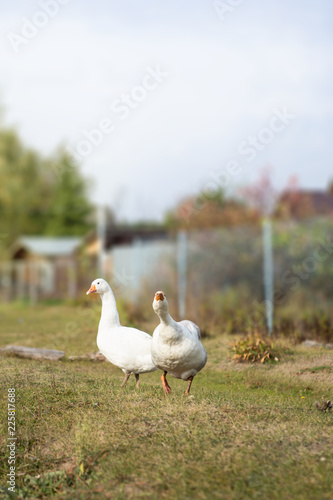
(160, 303)
(99, 286)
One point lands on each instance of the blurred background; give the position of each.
(182, 146)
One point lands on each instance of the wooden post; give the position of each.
(7, 280)
(71, 272)
(32, 282)
(20, 273)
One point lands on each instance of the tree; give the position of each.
(213, 210)
(35, 198)
(70, 211)
(20, 180)
(261, 195)
(330, 187)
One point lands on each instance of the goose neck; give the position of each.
(165, 318)
(109, 309)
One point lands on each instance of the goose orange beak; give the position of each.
(92, 289)
(159, 296)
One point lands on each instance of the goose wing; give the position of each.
(192, 327)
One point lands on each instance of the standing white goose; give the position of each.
(176, 347)
(127, 348)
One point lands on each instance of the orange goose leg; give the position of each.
(187, 392)
(166, 387)
(127, 376)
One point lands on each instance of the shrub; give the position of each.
(253, 349)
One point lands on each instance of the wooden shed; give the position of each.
(41, 267)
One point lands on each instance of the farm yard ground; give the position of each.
(247, 431)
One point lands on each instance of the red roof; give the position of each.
(299, 203)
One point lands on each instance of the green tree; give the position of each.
(22, 188)
(70, 212)
(38, 195)
(213, 209)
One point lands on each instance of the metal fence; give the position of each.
(230, 268)
(217, 268)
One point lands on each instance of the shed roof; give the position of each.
(48, 246)
(307, 202)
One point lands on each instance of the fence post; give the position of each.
(101, 234)
(20, 276)
(72, 278)
(137, 263)
(182, 272)
(33, 282)
(268, 272)
(7, 279)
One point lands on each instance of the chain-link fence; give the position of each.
(220, 282)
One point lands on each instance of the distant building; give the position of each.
(62, 267)
(127, 255)
(299, 204)
(41, 266)
(44, 247)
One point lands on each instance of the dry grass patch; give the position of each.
(253, 349)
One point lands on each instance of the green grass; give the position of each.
(248, 431)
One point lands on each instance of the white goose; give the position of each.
(176, 347)
(127, 348)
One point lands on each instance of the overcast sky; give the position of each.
(186, 92)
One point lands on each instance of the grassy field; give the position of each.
(246, 432)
